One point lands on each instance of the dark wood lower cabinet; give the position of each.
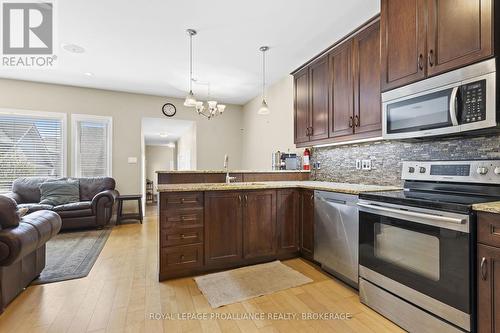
(213, 230)
(223, 227)
(307, 224)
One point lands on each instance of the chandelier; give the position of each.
(212, 109)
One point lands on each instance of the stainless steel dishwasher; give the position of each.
(336, 225)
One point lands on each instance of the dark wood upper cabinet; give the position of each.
(318, 80)
(288, 218)
(223, 227)
(259, 224)
(459, 33)
(403, 38)
(307, 223)
(301, 80)
(367, 101)
(341, 93)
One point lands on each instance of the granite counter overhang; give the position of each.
(345, 188)
(488, 207)
(232, 171)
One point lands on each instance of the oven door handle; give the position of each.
(453, 106)
(403, 213)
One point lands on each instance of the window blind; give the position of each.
(29, 146)
(92, 148)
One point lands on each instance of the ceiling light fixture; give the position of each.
(163, 135)
(73, 48)
(190, 100)
(89, 74)
(213, 108)
(264, 109)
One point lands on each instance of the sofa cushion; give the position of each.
(58, 192)
(28, 188)
(73, 206)
(89, 187)
(33, 207)
(70, 213)
(8, 213)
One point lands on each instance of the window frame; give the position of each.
(75, 143)
(63, 117)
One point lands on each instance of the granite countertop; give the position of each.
(311, 185)
(490, 207)
(232, 171)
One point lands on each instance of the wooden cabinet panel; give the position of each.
(223, 227)
(319, 99)
(341, 94)
(402, 42)
(459, 33)
(302, 106)
(259, 224)
(177, 237)
(288, 218)
(180, 258)
(488, 289)
(367, 101)
(307, 224)
(181, 200)
(180, 219)
(488, 229)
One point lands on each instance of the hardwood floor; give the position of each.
(122, 291)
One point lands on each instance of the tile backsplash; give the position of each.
(338, 163)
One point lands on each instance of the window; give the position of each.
(31, 144)
(92, 137)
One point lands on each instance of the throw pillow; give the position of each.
(22, 211)
(59, 192)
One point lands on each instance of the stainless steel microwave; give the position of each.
(452, 103)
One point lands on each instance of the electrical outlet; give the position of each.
(358, 164)
(366, 164)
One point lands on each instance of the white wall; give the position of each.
(264, 135)
(158, 158)
(186, 150)
(214, 138)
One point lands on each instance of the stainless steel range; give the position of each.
(417, 246)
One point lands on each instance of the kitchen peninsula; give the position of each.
(213, 226)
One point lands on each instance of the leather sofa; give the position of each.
(22, 247)
(97, 197)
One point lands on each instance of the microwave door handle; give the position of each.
(403, 213)
(453, 106)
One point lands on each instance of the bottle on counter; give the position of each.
(306, 159)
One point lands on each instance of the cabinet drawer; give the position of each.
(176, 237)
(181, 200)
(488, 229)
(181, 257)
(182, 218)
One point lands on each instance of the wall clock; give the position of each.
(169, 110)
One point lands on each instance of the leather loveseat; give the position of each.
(97, 197)
(22, 247)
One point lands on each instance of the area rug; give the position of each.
(248, 282)
(71, 255)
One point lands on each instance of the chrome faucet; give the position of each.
(226, 164)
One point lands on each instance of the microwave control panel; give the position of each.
(473, 102)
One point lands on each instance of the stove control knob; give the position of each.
(497, 170)
(422, 170)
(482, 170)
(412, 169)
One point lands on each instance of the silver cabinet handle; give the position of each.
(484, 269)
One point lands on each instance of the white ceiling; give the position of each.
(152, 127)
(141, 46)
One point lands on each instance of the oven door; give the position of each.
(420, 255)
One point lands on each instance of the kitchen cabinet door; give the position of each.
(223, 227)
(288, 218)
(319, 85)
(403, 38)
(259, 224)
(367, 102)
(488, 289)
(302, 124)
(341, 91)
(307, 224)
(459, 33)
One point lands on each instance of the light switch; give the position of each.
(366, 164)
(358, 164)
(132, 160)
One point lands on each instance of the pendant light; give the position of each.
(190, 100)
(264, 109)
